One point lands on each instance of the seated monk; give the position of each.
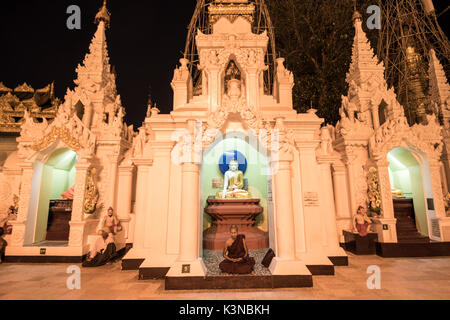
(236, 255)
(103, 251)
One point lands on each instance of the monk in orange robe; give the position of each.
(236, 256)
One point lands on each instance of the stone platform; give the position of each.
(360, 245)
(239, 212)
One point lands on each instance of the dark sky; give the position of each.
(145, 42)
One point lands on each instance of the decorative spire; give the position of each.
(356, 14)
(439, 87)
(103, 15)
(364, 60)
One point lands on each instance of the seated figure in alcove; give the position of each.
(110, 223)
(233, 183)
(361, 222)
(234, 97)
(237, 260)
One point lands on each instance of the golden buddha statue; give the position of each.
(233, 183)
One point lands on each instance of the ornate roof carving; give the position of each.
(41, 104)
(24, 88)
(231, 10)
(4, 89)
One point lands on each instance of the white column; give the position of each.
(329, 213)
(189, 212)
(190, 224)
(77, 236)
(285, 262)
(214, 88)
(385, 226)
(284, 212)
(341, 199)
(252, 87)
(113, 165)
(143, 167)
(124, 194)
(20, 225)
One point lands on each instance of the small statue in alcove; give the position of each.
(232, 72)
(361, 222)
(110, 223)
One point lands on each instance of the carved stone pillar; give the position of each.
(190, 225)
(25, 191)
(285, 262)
(190, 210)
(82, 168)
(341, 198)
(143, 167)
(351, 173)
(112, 188)
(284, 210)
(77, 223)
(446, 160)
(329, 210)
(436, 183)
(20, 225)
(385, 225)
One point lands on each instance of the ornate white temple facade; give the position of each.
(81, 148)
(310, 179)
(372, 130)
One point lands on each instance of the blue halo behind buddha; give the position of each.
(225, 159)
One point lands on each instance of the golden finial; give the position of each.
(356, 14)
(103, 15)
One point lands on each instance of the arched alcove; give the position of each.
(258, 179)
(51, 180)
(410, 180)
(382, 110)
(79, 107)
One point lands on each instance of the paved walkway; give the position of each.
(401, 278)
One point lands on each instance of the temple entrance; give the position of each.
(412, 194)
(52, 198)
(249, 207)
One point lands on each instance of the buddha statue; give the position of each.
(233, 183)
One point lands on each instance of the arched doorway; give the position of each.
(410, 180)
(257, 181)
(52, 214)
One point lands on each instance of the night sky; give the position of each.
(145, 42)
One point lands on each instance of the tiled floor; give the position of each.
(401, 278)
